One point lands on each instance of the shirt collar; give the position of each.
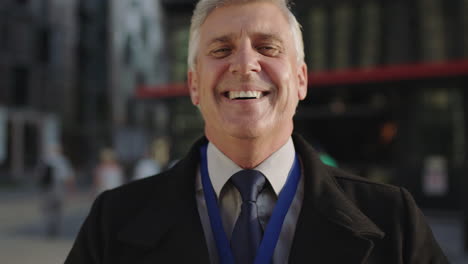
(275, 168)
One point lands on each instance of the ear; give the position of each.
(302, 76)
(193, 87)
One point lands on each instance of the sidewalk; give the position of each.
(26, 250)
(447, 228)
(22, 233)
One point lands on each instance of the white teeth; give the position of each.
(244, 94)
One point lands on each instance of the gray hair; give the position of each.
(205, 7)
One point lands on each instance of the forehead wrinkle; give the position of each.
(246, 26)
(222, 39)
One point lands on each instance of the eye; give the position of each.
(221, 52)
(268, 50)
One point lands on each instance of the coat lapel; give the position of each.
(330, 228)
(169, 230)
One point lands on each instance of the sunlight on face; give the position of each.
(247, 80)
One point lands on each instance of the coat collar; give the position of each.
(329, 222)
(326, 195)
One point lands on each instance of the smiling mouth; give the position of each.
(244, 95)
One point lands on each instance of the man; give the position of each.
(252, 191)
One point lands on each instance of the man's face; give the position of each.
(247, 80)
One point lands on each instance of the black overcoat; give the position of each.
(344, 219)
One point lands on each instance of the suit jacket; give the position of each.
(344, 219)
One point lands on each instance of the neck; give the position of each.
(248, 153)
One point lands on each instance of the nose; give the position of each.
(245, 61)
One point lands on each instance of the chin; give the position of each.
(247, 131)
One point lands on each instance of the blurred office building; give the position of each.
(37, 79)
(68, 70)
(121, 46)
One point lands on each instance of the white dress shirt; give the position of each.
(276, 169)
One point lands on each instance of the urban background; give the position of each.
(93, 95)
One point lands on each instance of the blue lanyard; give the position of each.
(273, 229)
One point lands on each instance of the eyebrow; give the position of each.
(270, 37)
(222, 39)
(258, 36)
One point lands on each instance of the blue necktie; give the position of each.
(247, 233)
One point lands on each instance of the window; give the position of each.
(4, 37)
(31, 138)
(140, 78)
(127, 52)
(43, 46)
(22, 2)
(144, 31)
(20, 86)
(44, 8)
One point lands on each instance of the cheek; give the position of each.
(279, 73)
(287, 87)
(213, 73)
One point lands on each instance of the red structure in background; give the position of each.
(345, 77)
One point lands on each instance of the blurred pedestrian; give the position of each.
(155, 160)
(55, 179)
(145, 167)
(108, 173)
